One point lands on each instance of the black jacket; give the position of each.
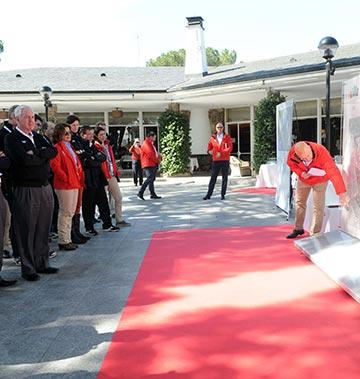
(92, 159)
(29, 164)
(4, 131)
(6, 183)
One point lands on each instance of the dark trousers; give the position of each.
(92, 197)
(8, 193)
(54, 220)
(137, 172)
(216, 167)
(2, 225)
(33, 207)
(150, 173)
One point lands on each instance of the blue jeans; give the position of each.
(137, 172)
(150, 173)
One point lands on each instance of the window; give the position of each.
(305, 109)
(151, 118)
(129, 118)
(238, 114)
(90, 118)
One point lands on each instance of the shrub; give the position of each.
(175, 142)
(265, 128)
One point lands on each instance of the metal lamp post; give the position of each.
(328, 47)
(45, 93)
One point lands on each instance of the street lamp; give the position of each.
(45, 93)
(328, 47)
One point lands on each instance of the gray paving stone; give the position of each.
(61, 326)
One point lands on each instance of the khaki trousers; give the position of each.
(302, 194)
(115, 192)
(67, 205)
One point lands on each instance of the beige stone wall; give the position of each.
(215, 116)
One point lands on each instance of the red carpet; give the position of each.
(234, 303)
(259, 190)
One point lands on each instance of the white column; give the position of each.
(200, 132)
(141, 128)
(252, 132)
(106, 120)
(318, 121)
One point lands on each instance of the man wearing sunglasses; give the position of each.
(219, 147)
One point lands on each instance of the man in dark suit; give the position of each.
(6, 186)
(29, 154)
(4, 164)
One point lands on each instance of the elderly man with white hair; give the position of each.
(29, 154)
(314, 167)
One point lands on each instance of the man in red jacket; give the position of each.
(150, 160)
(314, 167)
(220, 146)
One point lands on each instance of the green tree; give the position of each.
(177, 58)
(227, 57)
(171, 58)
(265, 128)
(175, 142)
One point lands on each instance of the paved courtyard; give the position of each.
(61, 326)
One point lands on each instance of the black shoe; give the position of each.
(6, 254)
(68, 246)
(31, 277)
(52, 254)
(48, 270)
(155, 197)
(97, 220)
(93, 232)
(111, 229)
(122, 224)
(295, 233)
(141, 197)
(222, 197)
(206, 197)
(7, 283)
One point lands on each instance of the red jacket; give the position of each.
(322, 160)
(67, 173)
(135, 153)
(225, 148)
(104, 165)
(149, 158)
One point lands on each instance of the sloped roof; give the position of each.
(89, 79)
(161, 79)
(348, 55)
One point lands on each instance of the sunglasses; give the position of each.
(67, 134)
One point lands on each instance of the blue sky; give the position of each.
(41, 33)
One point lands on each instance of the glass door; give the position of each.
(240, 135)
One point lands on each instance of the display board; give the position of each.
(350, 216)
(284, 120)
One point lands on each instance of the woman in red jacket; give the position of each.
(68, 179)
(220, 146)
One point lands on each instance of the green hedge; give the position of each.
(175, 142)
(265, 128)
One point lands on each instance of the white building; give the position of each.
(228, 92)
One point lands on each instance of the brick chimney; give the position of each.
(195, 59)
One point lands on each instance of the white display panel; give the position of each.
(350, 216)
(284, 118)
